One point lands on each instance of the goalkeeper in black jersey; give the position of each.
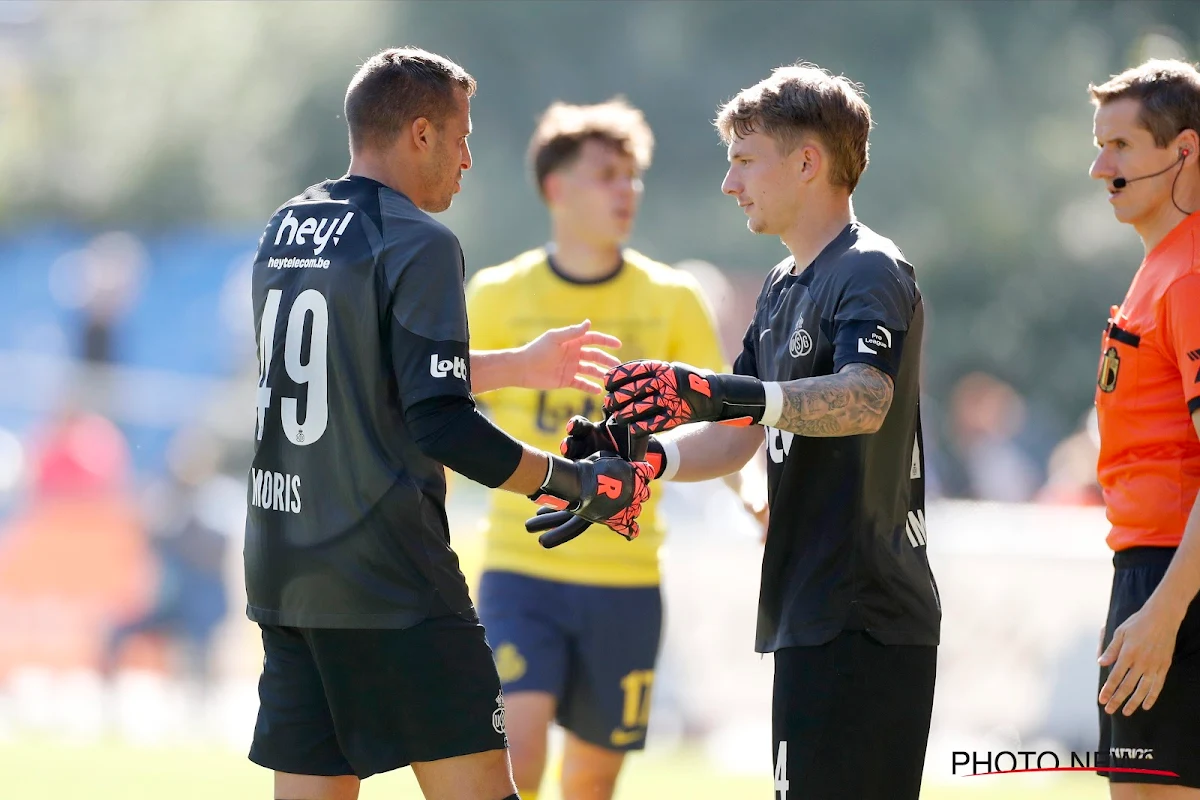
(375, 658)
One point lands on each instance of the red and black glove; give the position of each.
(655, 396)
(602, 488)
(584, 438)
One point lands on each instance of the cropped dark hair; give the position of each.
(397, 86)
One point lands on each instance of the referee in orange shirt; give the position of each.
(1148, 399)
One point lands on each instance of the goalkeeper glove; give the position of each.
(654, 396)
(584, 438)
(602, 488)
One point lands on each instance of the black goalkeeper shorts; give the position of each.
(850, 719)
(360, 702)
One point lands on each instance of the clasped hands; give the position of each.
(616, 468)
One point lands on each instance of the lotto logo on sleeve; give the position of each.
(441, 367)
(879, 339)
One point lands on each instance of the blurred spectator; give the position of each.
(73, 557)
(184, 513)
(1072, 469)
(987, 415)
(78, 454)
(102, 281)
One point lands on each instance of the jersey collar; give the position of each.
(557, 270)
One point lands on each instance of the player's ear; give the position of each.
(808, 161)
(420, 131)
(1187, 143)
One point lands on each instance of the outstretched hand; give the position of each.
(567, 358)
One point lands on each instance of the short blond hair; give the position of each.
(1168, 92)
(799, 100)
(563, 128)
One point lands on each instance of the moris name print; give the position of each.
(275, 491)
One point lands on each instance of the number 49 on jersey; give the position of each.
(314, 372)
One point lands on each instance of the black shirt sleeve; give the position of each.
(428, 314)
(874, 309)
(451, 431)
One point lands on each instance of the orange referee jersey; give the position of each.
(1147, 389)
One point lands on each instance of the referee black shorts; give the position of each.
(850, 719)
(359, 702)
(1167, 737)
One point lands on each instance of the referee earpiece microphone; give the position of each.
(1121, 183)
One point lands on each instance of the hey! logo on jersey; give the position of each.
(441, 367)
(321, 230)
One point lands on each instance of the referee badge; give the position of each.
(1109, 365)
(801, 342)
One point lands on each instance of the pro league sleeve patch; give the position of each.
(861, 341)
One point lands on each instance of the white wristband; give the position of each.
(549, 472)
(773, 407)
(671, 456)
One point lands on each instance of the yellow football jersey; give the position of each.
(657, 312)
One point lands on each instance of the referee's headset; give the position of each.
(1121, 183)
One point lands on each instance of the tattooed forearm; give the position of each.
(853, 401)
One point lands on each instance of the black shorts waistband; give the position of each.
(1136, 557)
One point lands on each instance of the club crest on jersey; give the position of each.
(321, 230)
(498, 715)
(801, 342)
(1110, 364)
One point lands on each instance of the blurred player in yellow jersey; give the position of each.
(575, 630)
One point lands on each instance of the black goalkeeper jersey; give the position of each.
(846, 540)
(359, 312)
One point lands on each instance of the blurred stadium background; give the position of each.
(144, 145)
